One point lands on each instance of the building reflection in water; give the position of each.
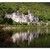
(29, 36)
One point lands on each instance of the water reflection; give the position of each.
(28, 36)
(9, 38)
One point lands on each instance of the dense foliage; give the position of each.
(42, 10)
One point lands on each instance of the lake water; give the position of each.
(35, 37)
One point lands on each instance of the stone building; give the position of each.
(23, 18)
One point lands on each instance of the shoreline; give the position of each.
(21, 27)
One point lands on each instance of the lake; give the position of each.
(25, 38)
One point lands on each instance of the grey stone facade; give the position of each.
(29, 18)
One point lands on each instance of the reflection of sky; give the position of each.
(29, 36)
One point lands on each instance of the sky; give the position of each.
(24, 0)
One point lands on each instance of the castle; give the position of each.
(24, 18)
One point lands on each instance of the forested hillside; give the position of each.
(42, 10)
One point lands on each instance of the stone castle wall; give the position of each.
(23, 18)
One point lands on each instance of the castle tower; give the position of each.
(18, 13)
(29, 15)
(14, 15)
(28, 12)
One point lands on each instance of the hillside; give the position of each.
(42, 10)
